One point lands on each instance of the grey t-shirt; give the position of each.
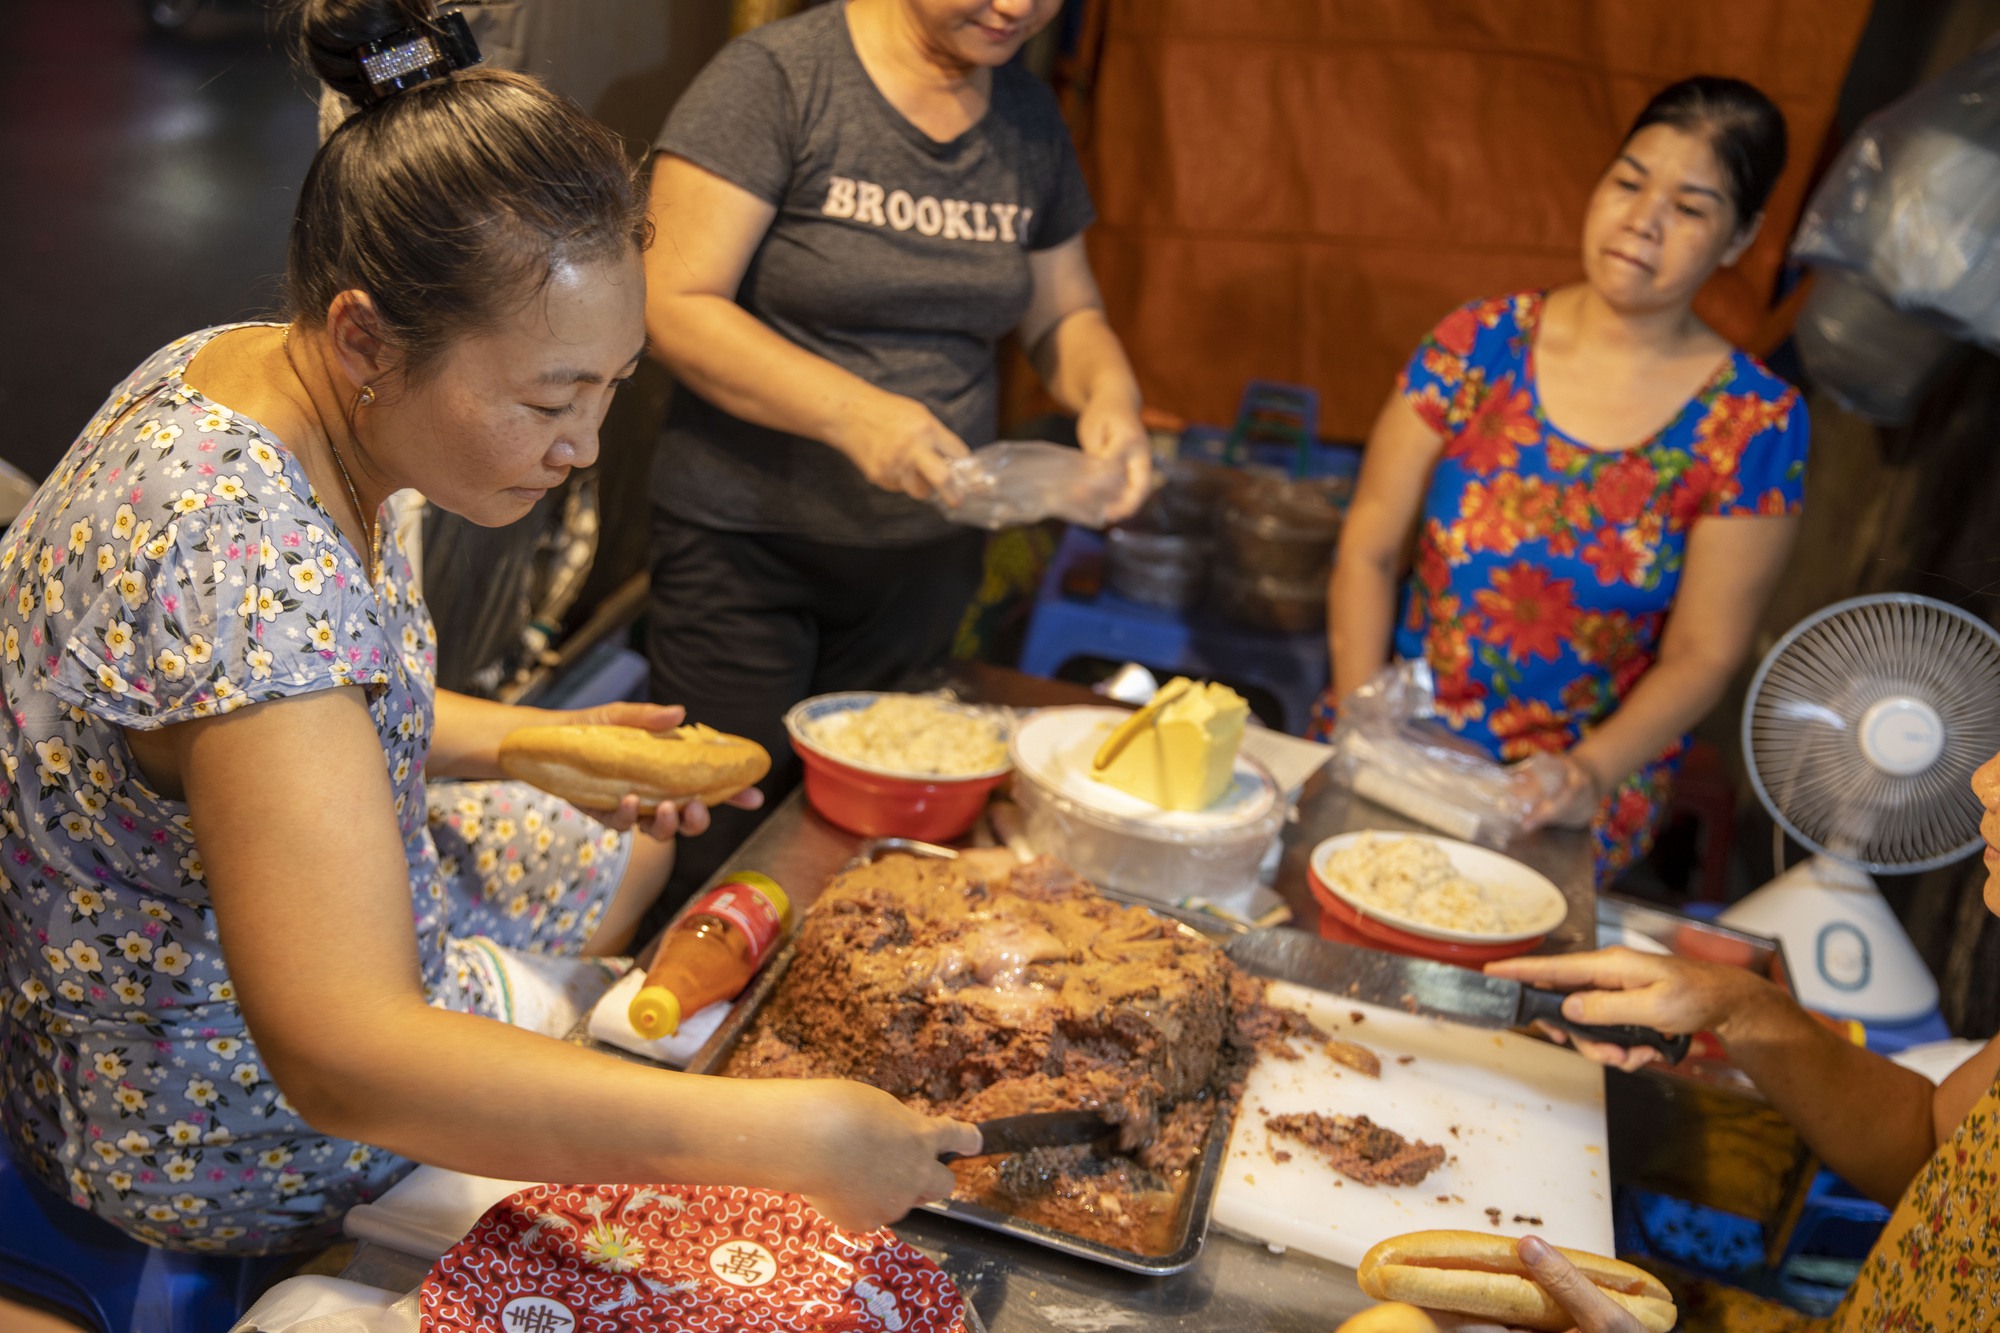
(892, 255)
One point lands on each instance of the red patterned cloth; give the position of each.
(680, 1259)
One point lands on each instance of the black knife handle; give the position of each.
(1546, 1005)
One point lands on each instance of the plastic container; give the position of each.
(1283, 530)
(884, 803)
(1268, 602)
(711, 952)
(1155, 567)
(1119, 841)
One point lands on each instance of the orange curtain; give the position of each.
(1299, 189)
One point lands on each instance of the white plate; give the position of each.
(1056, 746)
(1483, 867)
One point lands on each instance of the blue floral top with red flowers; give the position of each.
(1545, 568)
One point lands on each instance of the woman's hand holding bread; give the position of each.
(636, 765)
(1504, 1284)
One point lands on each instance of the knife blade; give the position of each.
(1037, 1129)
(1419, 986)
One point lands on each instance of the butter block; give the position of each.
(1185, 758)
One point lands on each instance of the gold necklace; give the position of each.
(368, 526)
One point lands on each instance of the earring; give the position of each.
(365, 397)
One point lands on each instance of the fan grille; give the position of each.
(1801, 730)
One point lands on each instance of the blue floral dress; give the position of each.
(1545, 568)
(178, 565)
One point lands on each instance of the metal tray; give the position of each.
(1190, 1228)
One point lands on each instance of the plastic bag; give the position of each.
(1387, 749)
(1912, 204)
(1025, 481)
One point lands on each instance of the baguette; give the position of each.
(596, 767)
(1470, 1272)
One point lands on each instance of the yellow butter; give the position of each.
(1184, 760)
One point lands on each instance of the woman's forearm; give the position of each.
(735, 361)
(1671, 697)
(466, 734)
(1868, 1119)
(1082, 362)
(471, 1094)
(1360, 618)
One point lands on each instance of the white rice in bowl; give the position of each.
(913, 733)
(1415, 880)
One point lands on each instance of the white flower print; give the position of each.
(155, 909)
(107, 560)
(180, 1169)
(225, 691)
(269, 604)
(83, 957)
(70, 991)
(245, 1076)
(222, 992)
(358, 1157)
(159, 1212)
(307, 578)
(201, 1092)
(110, 1064)
(123, 523)
(45, 563)
(54, 957)
(109, 679)
(34, 990)
(290, 1183)
(157, 548)
(265, 457)
(273, 1158)
(216, 418)
(225, 1046)
(118, 640)
(52, 596)
(187, 1203)
(199, 650)
(130, 1099)
(129, 990)
(26, 604)
(192, 867)
(172, 960)
(108, 1152)
(190, 501)
(181, 1133)
(136, 947)
(132, 1141)
(260, 663)
(169, 664)
(320, 634)
(132, 587)
(98, 772)
(13, 644)
(119, 1180)
(92, 803)
(328, 562)
(79, 535)
(86, 902)
(229, 488)
(218, 1137)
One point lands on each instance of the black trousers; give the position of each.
(742, 625)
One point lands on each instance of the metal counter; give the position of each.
(1237, 1285)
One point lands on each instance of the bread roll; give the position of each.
(595, 767)
(1470, 1272)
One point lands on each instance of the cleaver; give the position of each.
(1418, 986)
(1037, 1129)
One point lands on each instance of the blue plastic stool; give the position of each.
(58, 1253)
(1293, 667)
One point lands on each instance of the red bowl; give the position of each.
(876, 805)
(1339, 921)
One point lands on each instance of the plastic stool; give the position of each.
(56, 1252)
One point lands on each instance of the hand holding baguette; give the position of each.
(1526, 1285)
(628, 775)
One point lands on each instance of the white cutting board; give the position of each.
(1530, 1140)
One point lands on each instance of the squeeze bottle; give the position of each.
(711, 952)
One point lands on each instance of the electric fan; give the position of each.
(1861, 730)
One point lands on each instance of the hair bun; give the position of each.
(332, 33)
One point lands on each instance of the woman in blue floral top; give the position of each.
(1602, 491)
(243, 934)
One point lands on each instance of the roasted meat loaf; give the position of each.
(980, 995)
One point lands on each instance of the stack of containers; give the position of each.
(1277, 539)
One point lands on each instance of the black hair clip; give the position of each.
(412, 56)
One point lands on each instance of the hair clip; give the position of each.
(412, 56)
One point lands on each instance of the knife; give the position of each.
(1418, 986)
(1037, 1129)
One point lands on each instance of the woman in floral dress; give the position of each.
(1602, 490)
(245, 938)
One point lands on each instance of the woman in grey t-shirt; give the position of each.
(854, 206)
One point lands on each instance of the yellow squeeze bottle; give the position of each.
(711, 952)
